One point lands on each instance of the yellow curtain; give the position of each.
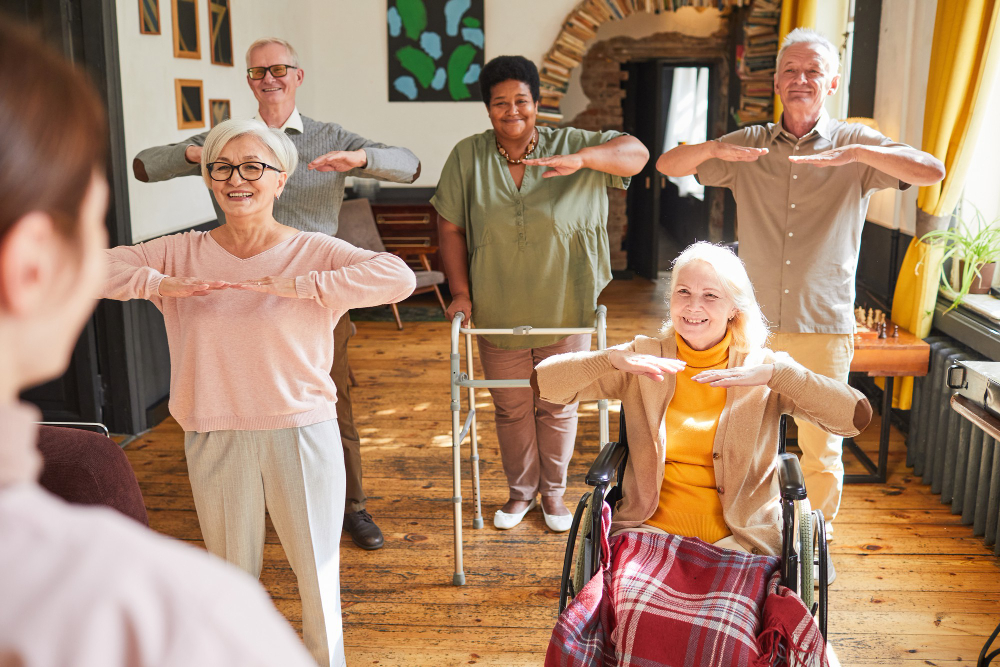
(794, 14)
(964, 60)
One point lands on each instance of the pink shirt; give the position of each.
(88, 587)
(244, 360)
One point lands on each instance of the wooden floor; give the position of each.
(914, 586)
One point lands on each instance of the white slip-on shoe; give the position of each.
(505, 521)
(558, 523)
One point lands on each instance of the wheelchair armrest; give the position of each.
(602, 470)
(790, 480)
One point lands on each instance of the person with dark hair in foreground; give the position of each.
(524, 242)
(86, 586)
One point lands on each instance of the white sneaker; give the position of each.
(505, 521)
(558, 523)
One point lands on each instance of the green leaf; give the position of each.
(414, 16)
(417, 63)
(458, 65)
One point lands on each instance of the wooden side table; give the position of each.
(408, 225)
(888, 358)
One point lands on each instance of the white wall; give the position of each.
(904, 57)
(342, 48)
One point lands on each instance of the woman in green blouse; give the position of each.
(524, 241)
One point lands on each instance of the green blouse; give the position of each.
(538, 256)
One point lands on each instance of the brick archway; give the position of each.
(580, 27)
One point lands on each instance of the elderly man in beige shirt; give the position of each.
(801, 188)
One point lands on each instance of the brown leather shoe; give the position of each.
(363, 530)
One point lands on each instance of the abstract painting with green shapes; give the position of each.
(435, 50)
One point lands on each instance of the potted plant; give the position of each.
(975, 245)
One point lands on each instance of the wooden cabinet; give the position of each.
(408, 225)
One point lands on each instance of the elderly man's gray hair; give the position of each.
(292, 55)
(809, 36)
(286, 157)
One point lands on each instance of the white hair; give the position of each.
(286, 158)
(809, 36)
(748, 326)
(264, 41)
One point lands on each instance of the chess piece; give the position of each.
(881, 330)
(870, 322)
(895, 331)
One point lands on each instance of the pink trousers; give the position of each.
(536, 437)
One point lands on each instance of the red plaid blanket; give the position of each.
(664, 601)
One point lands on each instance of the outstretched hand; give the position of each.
(340, 161)
(645, 365)
(835, 157)
(179, 288)
(276, 285)
(559, 165)
(733, 153)
(740, 376)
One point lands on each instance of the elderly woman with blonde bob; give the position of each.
(249, 308)
(702, 405)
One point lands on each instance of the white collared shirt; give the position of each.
(293, 122)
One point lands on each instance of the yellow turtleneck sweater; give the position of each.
(689, 502)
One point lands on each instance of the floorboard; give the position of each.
(914, 586)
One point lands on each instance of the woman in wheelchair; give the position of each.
(696, 536)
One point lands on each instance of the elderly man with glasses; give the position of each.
(802, 187)
(310, 202)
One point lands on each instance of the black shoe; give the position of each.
(363, 530)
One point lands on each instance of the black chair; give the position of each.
(802, 529)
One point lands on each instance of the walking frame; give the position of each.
(465, 380)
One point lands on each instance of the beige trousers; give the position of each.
(349, 438)
(297, 474)
(536, 437)
(822, 465)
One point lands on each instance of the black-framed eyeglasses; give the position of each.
(248, 171)
(277, 71)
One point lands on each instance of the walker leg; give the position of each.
(458, 578)
(477, 520)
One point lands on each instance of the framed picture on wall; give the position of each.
(435, 50)
(218, 111)
(221, 31)
(149, 17)
(190, 103)
(186, 32)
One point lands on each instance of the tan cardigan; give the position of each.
(746, 442)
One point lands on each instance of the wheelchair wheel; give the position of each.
(576, 547)
(806, 545)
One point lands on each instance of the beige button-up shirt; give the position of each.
(799, 224)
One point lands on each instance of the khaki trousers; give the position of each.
(297, 474)
(822, 465)
(536, 437)
(355, 498)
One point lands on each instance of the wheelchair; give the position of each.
(802, 530)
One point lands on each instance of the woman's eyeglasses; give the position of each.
(249, 171)
(277, 71)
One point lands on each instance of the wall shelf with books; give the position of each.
(755, 63)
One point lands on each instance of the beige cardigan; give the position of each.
(746, 441)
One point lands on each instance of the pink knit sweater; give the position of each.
(243, 360)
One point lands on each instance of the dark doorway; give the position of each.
(85, 31)
(666, 100)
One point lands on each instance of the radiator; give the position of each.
(955, 458)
